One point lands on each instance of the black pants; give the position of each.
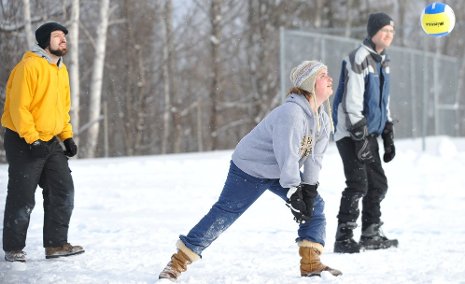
(25, 172)
(364, 180)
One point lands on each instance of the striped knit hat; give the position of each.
(304, 75)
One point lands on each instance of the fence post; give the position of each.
(282, 60)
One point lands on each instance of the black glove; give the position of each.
(70, 146)
(309, 192)
(388, 141)
(39, 149)
(359, 132)
(295, 201)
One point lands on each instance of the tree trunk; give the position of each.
(215, 88)
(96, 81)
(170, 62)
(167, 73)
(349, 21)
(74, 67)
(27, 24)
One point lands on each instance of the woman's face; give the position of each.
(323, 86)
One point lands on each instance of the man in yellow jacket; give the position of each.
(36, 118)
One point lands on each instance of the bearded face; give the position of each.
(58, 44)
(58, 52)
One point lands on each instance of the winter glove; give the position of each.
(359, 132)
(388, 141)
(295, 201)
(70, 147)
(309, 192)
(39, 149)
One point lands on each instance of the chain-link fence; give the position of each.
(424, 86)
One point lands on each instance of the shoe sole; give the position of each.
(332, 271)
(313, 274)
(22, 260)
(338, 250)
(384, 246)
(378, 247)
(63, 255)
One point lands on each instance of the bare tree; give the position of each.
(74, 66)
(195, 78)
(349, 21)
(167, 76)
(264, 20)
(215, 87)
(27, 24)
(402, 9)
(97, 79)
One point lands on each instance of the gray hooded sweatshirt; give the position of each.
(286, 140)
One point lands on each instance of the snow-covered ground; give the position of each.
(129, 212)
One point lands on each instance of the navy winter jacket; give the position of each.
(363, 91)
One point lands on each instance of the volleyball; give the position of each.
(437, 19)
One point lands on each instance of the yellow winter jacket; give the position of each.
(37, 101)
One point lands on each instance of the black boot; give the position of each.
(373, 238)
(344, 239)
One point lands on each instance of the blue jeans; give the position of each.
(240, 191)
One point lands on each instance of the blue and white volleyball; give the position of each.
(437, 19)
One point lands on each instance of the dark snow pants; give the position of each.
(25, 172)
(364, 180)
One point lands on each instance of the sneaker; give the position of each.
(346, 246)
(64, 250)
(15, 256)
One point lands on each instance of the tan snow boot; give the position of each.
(310, 264)
(178, 262)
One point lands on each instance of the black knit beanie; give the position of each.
(376, 21)
(44, 31)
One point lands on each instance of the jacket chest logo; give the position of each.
(306, 146)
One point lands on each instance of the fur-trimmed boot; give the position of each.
(178, 262)
(310, 264)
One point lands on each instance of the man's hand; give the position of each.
(70, 147)
(388, 142)
(359, 132)
(39, 149)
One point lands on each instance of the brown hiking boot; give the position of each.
(64, 250)
(310, 264)
(178, 263)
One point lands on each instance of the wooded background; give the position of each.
(166, 76)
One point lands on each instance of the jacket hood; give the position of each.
(302, 102)
(39, 51)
